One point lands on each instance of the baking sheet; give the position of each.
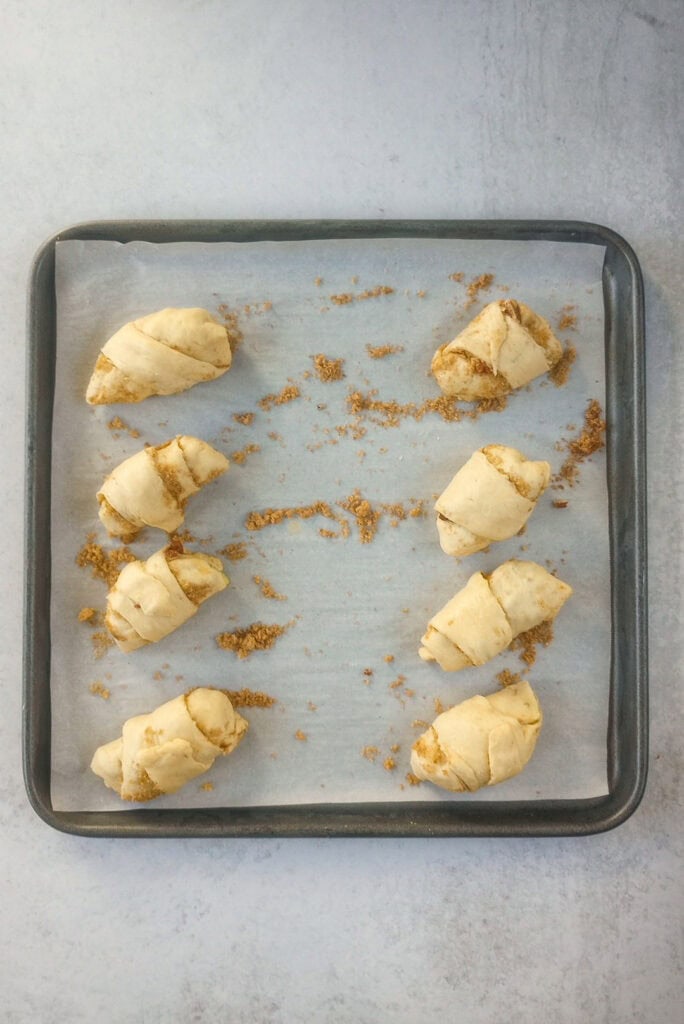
(351, 604)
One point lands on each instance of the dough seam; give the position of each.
(495, 463)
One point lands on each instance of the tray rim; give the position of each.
(627, 722)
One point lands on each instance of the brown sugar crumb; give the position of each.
(184, 536)
(231, 322)
(368, 676)
(288, 394)
(101, 641)
(328, 370)
(591, 439)
(439, 707)
(247, 698)
(327, 533)
(389, 658)
(342, 300)
(241, 456)
(390, 413)
(389, 764)
(485, 405)
(99, 690)
(318, 281)
(301, 736)
(370, 753)
(246, 418)
(567, 320)
(559, 504)
(106, 565)
(117, 424)
(158, 676)
(382, 351)
(367, 518)
(413, 780)
(234, 552)
(267, 589)
(207, 787)
(374, 293)
(396, 683)
(527, 642)
(395, 748)
(507, 678)
(479, 284)
(560, 373)
(311, 706)
(273, 516)
(87, 615)
(256, 637)
(458, 277)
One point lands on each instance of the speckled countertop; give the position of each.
(315, 109)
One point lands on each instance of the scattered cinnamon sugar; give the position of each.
(395, 748)
(439, 707)
(267, 589)
(207, 787)
(87, 615)
(567, 320)
(101, 641)
(389, 658)
(389, 764)
(98, 689)
(421, 294)
(390, 413)
(367, 518)
(246, 418)
(184, 536)
(158, 676)
(301, 736)
(247, 698)
(413, 780)
(527, 642)
(231, 322)
(479, 284)
(328, 370)
(234, 552)
(591, 439)
(560, 373)
(273, 516)
(559, 504)
(398, 682)
(458, 277)
(288, 394)
(345, 298)
(117, 424)
(318, 281)
(368, 676)
(507, 678)
(382, 351)
(311, 706)
(106, 565)
(256, 637)
(485, 405)
(241, 456)
(370, 753)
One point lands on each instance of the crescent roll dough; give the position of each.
(151, 599)
(152, 487)
(505, 347)
(482, 741)
(489, 612)
(490, 498)
(159, 752)
(159, 354)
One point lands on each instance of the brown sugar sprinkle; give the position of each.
(184, 536)
(560, 373)
(328, 370)
(256, 637)
(507, 678)
(421, 294)
(479, 284)
(389, 658)
(439, 707)
(301, 736)
(368, 676)
(241, 456)
(101, 641)
(345, 298)
(458, 277)
(207, 787)
(559, 504)
(247, 698)
(87, 615)
(367, 518)
(246, 418)
(318, 281)
(234, 552)
(158, 676)
(267, 589)
(117, 424)
(413, 780)
(232, 324)
(370, 753)
(273, 516)
(311, 706)
(288, 394)
(390, 413)
(527, 642)
(99, 690)
(567, 320)
(382, 351)
(486, 405)
(106, 565)
(395, 748)
(396, 683)
(591, 439)
(389, 764)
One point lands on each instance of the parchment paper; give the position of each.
(351, 603)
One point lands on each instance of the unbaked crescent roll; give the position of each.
(482, 619)
(159, 752)
(159, 354)
(505, 347)
(490, 498)
(152, 487)
(482, 741)
(151, 599)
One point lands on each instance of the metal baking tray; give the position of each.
(627, 737)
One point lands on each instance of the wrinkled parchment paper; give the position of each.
(350, 604)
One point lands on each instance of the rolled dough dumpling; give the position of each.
(505, 347)
(483, 618)
(151, 599)
(482, 741)
(159, 752)
(152, 487)
(159, 354)
(490, 498)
